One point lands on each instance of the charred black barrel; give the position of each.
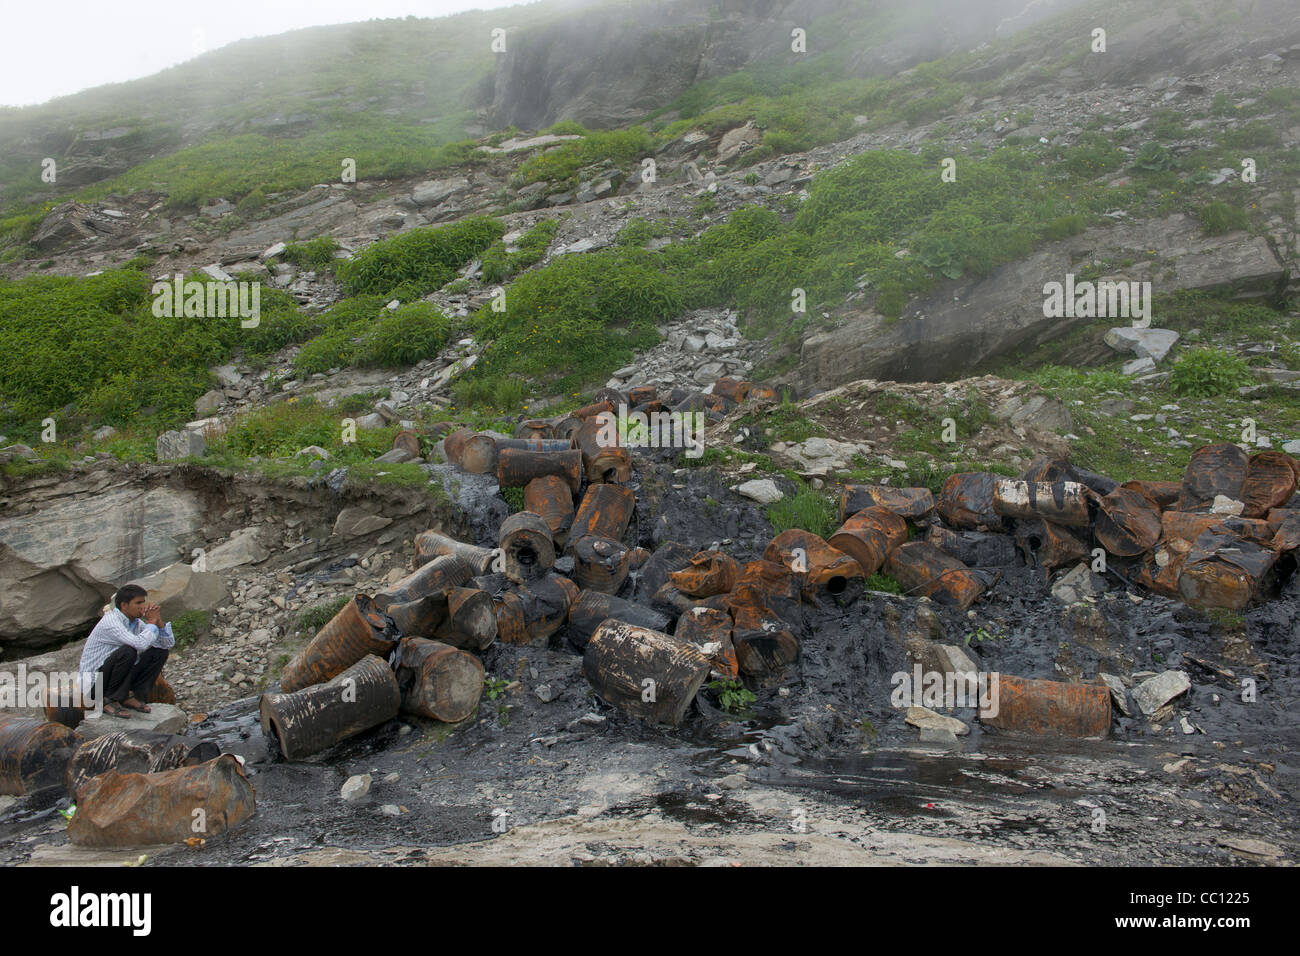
(527, 551)
(136, 751)
(438, 681)
(34, 755)
(308, 721)
(355, 631)
(592, 607)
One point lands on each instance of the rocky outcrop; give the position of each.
(968, 324)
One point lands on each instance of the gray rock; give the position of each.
(180, 444)
(357, 788)
(437, 191)
(315, 451)
(1138, 366)
(1144, 343)
(395, 456)
(762, 490)
(1118, 693)
(353, 522)
(242, 548)
(103, 433)
(1155, 692)
(163, 718)
(373, 420)
(227, 375)
(178, 588)
(923, 717)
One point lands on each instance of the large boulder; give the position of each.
(185, 443)
(178, 588)
(966, 324)
(58, 566)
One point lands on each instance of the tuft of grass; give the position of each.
(806, 509)
(312, 619)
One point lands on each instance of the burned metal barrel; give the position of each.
(600, 564)
(545, 604)
(407, 441)
(605, 512)
(868, 536)
(509, 612)
(1128, 523)
(641, 394)
(592, 410)
(433, 544)
(1186, 527)
(769, 393)
(826, 575)
(709, 573)
(966, 501)
(977, 549)
(592, 607)
(471, 451)
(135, 751)
(144, 809)
(438, 681)
(668, 557)
(551, 499)
(637, 557)
(611, 395)
(732, 389)
(162, 692)
(419, 618)
(603, 456)
(765, 647)
(34, 755)
(470, 621)
(307, 721)
(1045, 707)
(527, 551)
(1163, 493)
(644, 673)
(65, 703)
(1043, 544)
(1213, 470)
(913, 503)
(773, 586)
(534, 444)
(517, 467)
(1045, 468)
(1270, 483)
(534, 428)
(1060, 502)
(356, 630)
(1225, 570)
(709, 629)
(924, 571)
(1287, 535)
(446, 571)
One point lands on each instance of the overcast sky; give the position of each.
(58, 48)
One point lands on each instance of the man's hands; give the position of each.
(153, 615)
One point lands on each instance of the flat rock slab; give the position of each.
(1155, 692)
(165, 718)
(68, 854)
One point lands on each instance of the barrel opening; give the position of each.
(1035, 542)
(526, 556)
(609, 476)
(836, 585)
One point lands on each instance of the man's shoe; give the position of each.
(137, 705)
(113, 710)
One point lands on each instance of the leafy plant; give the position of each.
(1153, 157)
(733, 696)
(1208, 373)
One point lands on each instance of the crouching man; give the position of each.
(129, 647)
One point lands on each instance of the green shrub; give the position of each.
(312, 619)
(413, 264)
(1218, 218)
(406, 335)
(1153, 157)
(315, 255)
(1208, 373)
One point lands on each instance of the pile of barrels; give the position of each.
(1222, 537)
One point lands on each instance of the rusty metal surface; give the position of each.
(470, 622)
(349, 636)
(1047, 707)
(34, 754)
(912, 503)
(603, 457)
(517, 467)
(869, 535)
(551, 499)
(1163, 493)
(135, 751)
(590, 608)
(709, 573)
(534, 428)
(527, 550)
(434, 544)
(825, 574)
(407, 441)
(444, 571)
(620, 658)
(732, 389)
(1049, 546)
(1224, 570)
(1270, 483)
(438, 681)
(1128, 523)
(923, 570)
(147, 809)
(1060, 502)
(511, 626)
(421, 617)
(308, 721)
(966, 501)
(605, 511)
(600, 564)
(709, 629)
(534, 444)
(1213, 470)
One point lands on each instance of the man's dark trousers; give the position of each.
(125, 675)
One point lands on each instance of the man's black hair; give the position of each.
(128, 592)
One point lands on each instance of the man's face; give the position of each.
(135, 607)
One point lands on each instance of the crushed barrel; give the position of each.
(869, 534)
(407, 441)
(308, 721)
(1224, 570)
(119, 809)
(1045, 545)
(438, 681)
(534, 428)
(434, 544)
(765, 645)
(826, 575)
(1270, 483)
(135, 751)
(445, 571)
(1213, 470)
(545, 603)
(966, 501)
(552, 500)
(600, 564)
(709, 629)
(604, 459)
(470, 621)
(924, 571)
(709, 573)
(1128, 523)
(911, 503)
